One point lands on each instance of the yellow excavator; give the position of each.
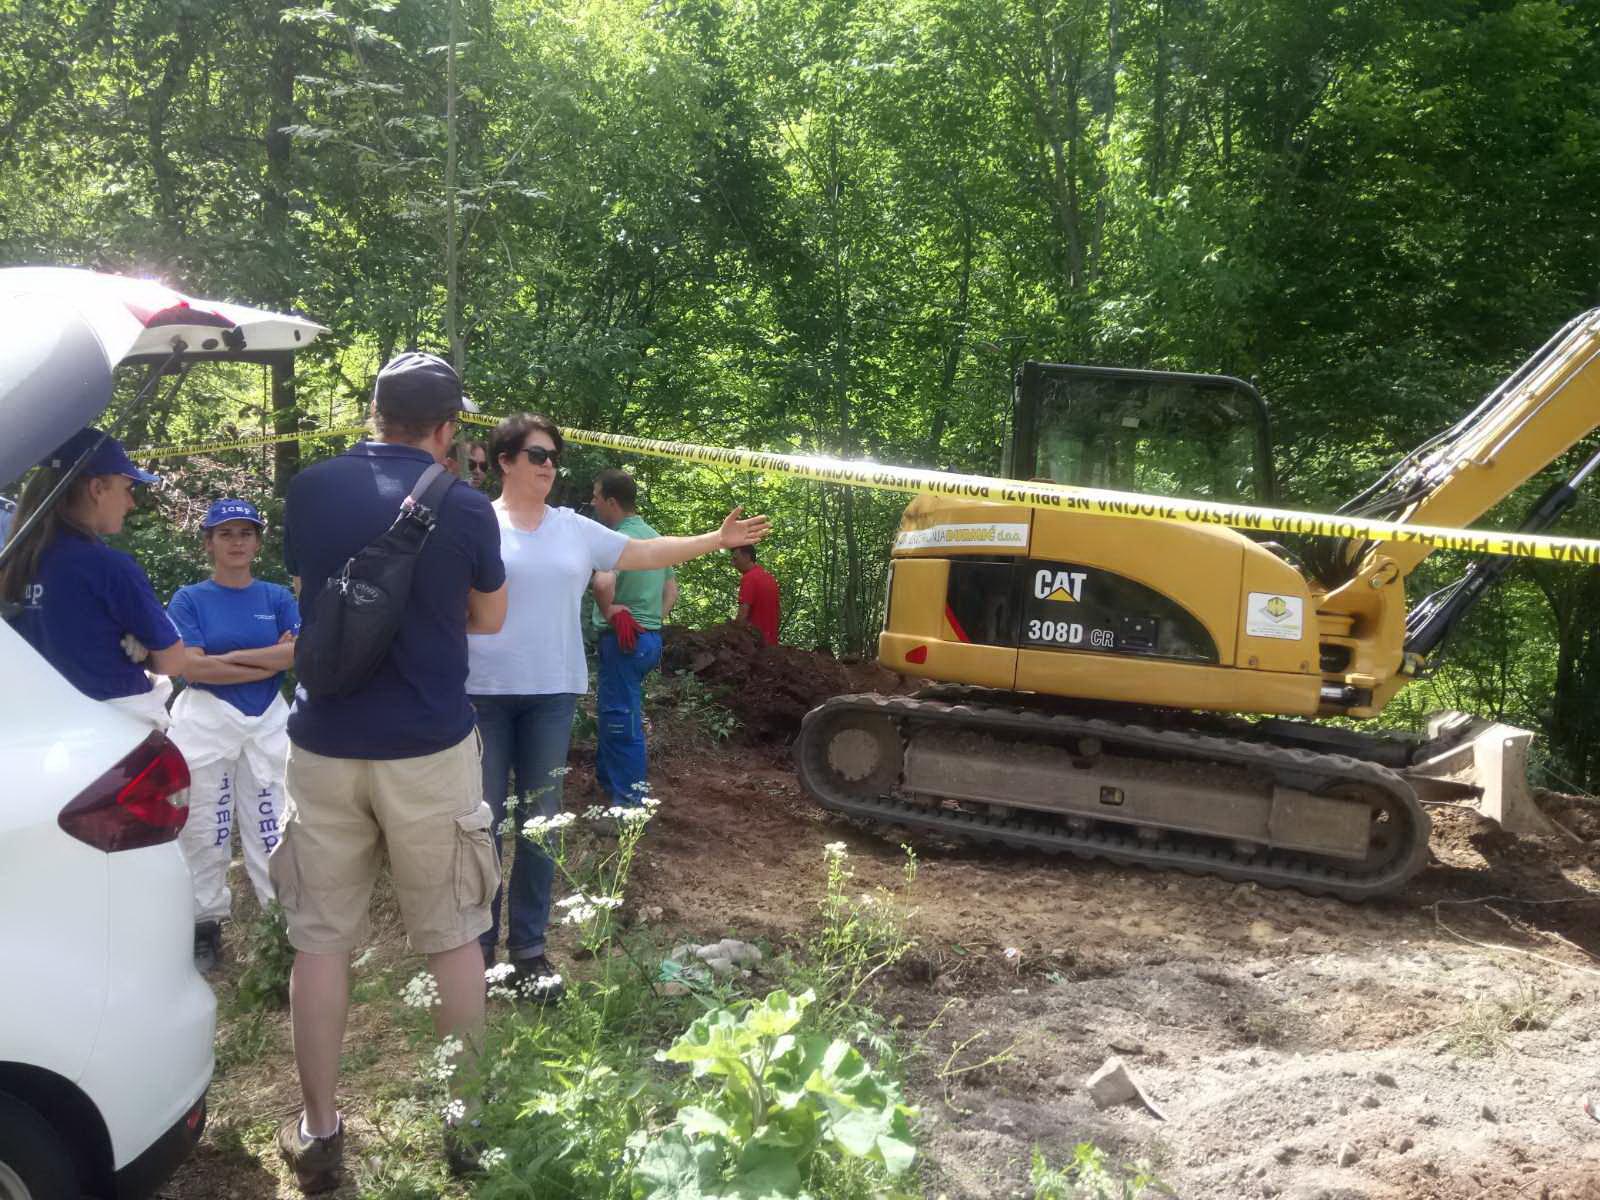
(1140, 691)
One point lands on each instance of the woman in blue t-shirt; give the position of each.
(89, 609)
(229, 722)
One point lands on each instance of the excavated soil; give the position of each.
(769, 688)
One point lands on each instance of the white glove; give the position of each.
(134, 648)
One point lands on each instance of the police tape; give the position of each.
(1050, 497)
(1053, 497)
(250, 443)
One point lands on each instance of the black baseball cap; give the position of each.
(416, 386)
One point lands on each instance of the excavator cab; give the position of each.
(1162, 433)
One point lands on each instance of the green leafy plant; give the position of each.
(695, 704)
(268, 957)
(1089, 1177)
(772, 1100)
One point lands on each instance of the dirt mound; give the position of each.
(769, 688)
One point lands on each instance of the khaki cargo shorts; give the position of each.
(427, 812)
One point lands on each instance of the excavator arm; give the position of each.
(1547, 406)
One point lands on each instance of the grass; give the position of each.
(1486, 1027)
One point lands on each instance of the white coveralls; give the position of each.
(236, 766)
(150, 706)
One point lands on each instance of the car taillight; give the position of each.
(139, 802)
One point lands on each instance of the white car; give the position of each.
(106, 1028)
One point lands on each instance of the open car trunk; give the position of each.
(67, 330)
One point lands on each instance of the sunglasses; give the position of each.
(538, 455)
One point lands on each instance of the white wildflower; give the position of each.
(558, 772)
(421, 992)
(499, 972)
(636, 815)
(833, 850)
(455, 1112)
(491, 1158)
(538, 827)
(606, 901)
(546, 983)
(444, 1058)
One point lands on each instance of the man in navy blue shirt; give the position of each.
(394, 766)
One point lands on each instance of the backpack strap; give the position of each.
(422, 503)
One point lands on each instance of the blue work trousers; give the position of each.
(527, 736)
(620, 764)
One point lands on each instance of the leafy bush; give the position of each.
(267, 957)
(777, 1100)
(769, 1103)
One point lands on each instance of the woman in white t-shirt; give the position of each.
(525, 681)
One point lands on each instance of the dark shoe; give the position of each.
(537, 980)
(462, 1155)
(317, 1163)
(488, 955)
(207, 946)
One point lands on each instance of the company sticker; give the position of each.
(1007, 536)
(1267, 614)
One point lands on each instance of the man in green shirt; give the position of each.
(630, 607)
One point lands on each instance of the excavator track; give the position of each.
(1321, 823)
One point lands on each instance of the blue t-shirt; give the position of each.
(416, 703)
(218, 619)
(83, 599)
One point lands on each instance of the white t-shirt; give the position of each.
(539, 651)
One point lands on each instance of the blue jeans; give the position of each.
(620, 765)
(528, 735)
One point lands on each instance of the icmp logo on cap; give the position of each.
(232, 509)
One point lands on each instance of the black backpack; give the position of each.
(357, 614)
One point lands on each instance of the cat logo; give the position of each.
(1050, 584)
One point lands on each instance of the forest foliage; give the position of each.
(840, 225)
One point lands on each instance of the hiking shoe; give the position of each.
(537, 980)
(207, 946)
(317, 1163)
(462, 1156)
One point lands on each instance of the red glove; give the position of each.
(625, 627)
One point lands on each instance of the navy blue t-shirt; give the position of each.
(416, 703)
(218, 619)
(83, 599)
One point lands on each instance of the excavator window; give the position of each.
(1160, 432)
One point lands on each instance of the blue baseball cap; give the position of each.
(232, 509)
(106, 457)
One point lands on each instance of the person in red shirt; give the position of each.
(758, 593)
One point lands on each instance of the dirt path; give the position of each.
(1278, 1033)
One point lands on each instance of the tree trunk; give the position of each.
(280, 252)
(450, 214)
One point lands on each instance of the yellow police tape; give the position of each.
(250, 443)
(1048, 496)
